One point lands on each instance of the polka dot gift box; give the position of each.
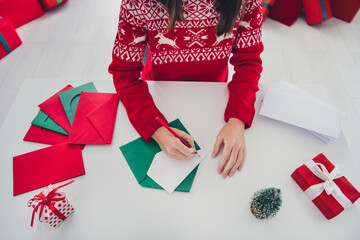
(51, 206)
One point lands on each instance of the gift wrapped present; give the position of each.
(267, 5)
(345, 9)
(20, 12)
(9, 39)
(326, 186)
(49, 4)
(317, 11)
(286, 11)
(51, 206)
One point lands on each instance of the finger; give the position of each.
(184, 150)
(243, 160)
(224, 158)
(188, 138)
(217, 145)
(231, 162)
(239, 160)
(176, 155)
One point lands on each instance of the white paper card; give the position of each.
(169, 172)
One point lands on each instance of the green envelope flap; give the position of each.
(44, 121)
(70, 99)
(139, 155)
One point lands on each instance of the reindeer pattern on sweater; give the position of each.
(145, 22)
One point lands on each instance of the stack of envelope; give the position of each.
(78, 115)
(68, 120)
(287, 103)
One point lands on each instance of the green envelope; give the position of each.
(44, 121)
(70, 99)
(139, 155)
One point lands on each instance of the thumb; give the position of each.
(216, 147)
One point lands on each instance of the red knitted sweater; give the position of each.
(190, 51)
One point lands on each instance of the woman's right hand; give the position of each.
(172, 146)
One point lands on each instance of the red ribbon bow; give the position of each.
(47, 200)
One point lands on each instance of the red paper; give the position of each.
(327, 204)
(46, 166)
(43, 135)
(8, 32)
(20, 12)
(54, 109)
(94, 118)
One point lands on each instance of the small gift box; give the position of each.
(345, 9)
(20, 12)
(267, 5)
(51, 205)
(326, 186)
(286, 11)
(49, 4)
(317, 11)
(9, 39)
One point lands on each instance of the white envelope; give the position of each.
(289, 104)
(291, 89)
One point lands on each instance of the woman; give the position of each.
(190, 40)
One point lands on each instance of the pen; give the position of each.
(172, 131)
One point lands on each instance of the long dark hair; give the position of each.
(228, 9)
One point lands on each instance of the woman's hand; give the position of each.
(172, 146)
(233, 157)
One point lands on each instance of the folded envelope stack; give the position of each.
(68, 120)
(287, 103)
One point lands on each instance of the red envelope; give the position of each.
(46, 166)
(54, 109)
(94, 118)
(43, 135)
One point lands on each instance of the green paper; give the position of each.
(70, 99)
(139, 155)
(44, 121)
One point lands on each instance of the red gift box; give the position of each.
(286, 11)
(20, 12)
(49, 4)
(325, 185)
(267, 5)
(317, 11)
(9, 39)
(51, 205)
(345, 9)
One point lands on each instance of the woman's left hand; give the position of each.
(234, 154)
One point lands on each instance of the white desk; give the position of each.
(110, 204)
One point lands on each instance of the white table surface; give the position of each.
(110, 204)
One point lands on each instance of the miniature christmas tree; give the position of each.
(266, 203)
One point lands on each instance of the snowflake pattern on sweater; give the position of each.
(145, 21)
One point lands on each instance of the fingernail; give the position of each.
(213, 155)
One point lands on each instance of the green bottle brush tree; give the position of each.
(265, 203)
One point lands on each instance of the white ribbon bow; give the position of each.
(328, 185)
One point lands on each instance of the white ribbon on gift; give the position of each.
(328, 185)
